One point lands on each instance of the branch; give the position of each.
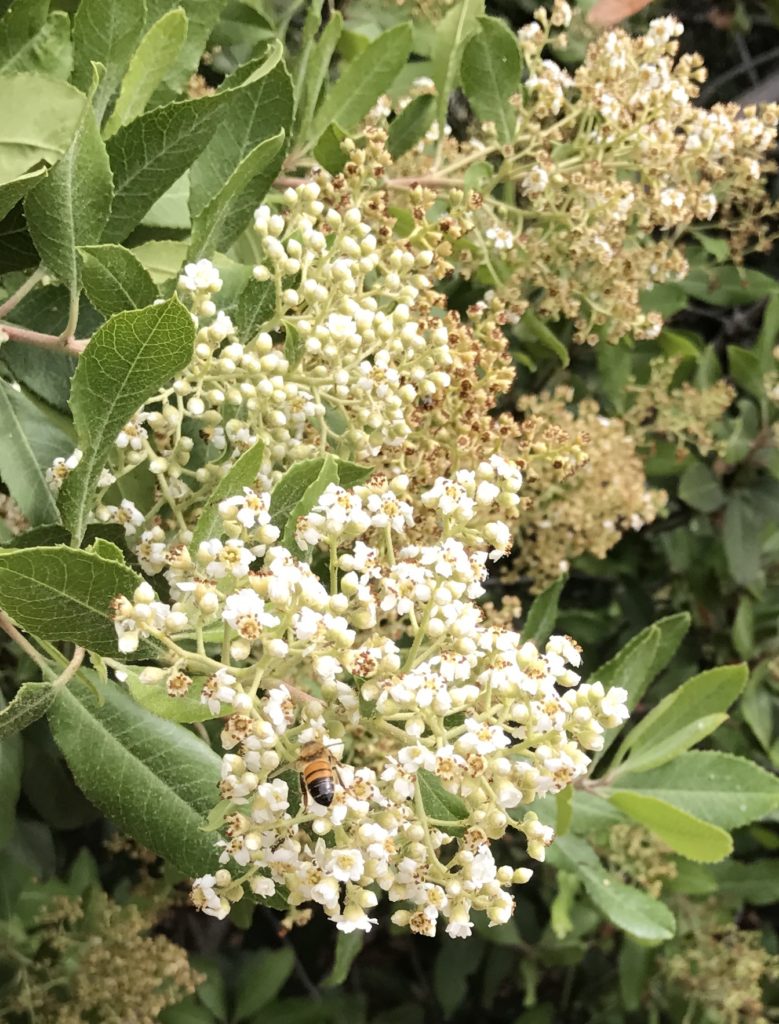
(72, 346)
(8, 627)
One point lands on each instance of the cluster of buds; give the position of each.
(432, 728)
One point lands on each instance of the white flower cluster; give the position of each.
(433, 727)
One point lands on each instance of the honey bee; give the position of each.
(317, 767)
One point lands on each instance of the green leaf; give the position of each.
(630, 909)
(328, 474)
(256, 306)
(564, 804)
(107, 549)
(61, 593)
(261, 978)
(294, 349)
(634, 965)
(347, 949)
(154, 778)
(242, 474)
(742, 633)
(114, 279)
(220, 222)
(708, 694)
(543, 614)
(202, 16)
(700, 489)
(720, 788)
(545, 336)
(635, 666)
(106, 33)
(438, 802)
(329, 152)
(128, 360)
(260, 106)
(741, 528)
(410, 125)
(29, 442)
(31, 701)
(185, 709)
(291, 488)
(171, 210)
(70, 206)
(31, 39)
(149, 64)
(756, 882)
(11, 758)
(358, 86)
(316, 72)
(745, 369)
(163, 259)
(12, 191)
(40, 117)
(769, 332)
(693, 838)
(452, 33)
(491, 69)
(668, 747)
(152, 152)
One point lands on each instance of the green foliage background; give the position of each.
(110, 178)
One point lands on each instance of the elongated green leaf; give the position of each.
(543, 614)
(40, 117)
(438, 802)
(152, 152)
(710, 693)
(491, 70)
(347, 949)
(260, 106)
(28, 443)
(629, 669)
(545, 336)
(155, 779)
(70, 206)
(31, 39)
(148, 66)
(185, 709)
(690, 836)
(700, 489)
(328, 474)
(256, 306)
(12, 191)
(10, 783)
(630, 909)
(106, 33)
(31, 701)
(452, 33)
(202, 16)
(756, 882)
(222, 220)
(242, 474)
(261, 979)
(720, 788)
(316, 73)
(410, 125)
(126, 362)
(114, 279)
(741, 535)
(665, 748)
(368, 76)
(61, 593)
(163, 259)
(291, 488)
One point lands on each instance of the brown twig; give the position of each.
(13, 300)
(73, 346)
(21, 641)
(71, 668)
